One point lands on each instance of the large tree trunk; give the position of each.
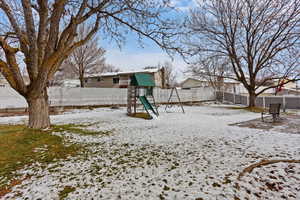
(38, 108)
(81, 78)
(252, 99)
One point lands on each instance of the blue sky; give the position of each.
(132, 56)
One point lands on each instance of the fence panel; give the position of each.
(291, 102)
(229, 97)
(270, 100)
(259, 102)
(100, 96)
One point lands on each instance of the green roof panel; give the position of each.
(142, 79)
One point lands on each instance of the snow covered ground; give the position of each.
(196, 155)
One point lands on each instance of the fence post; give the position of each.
(223, 97)
(61, 96)
(233, 98)
(215, 94)
(284, 104)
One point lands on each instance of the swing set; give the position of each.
(171, 104)
(140, 90)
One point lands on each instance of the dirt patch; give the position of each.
(141, 115)
(288, 123)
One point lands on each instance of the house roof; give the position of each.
(154, 70)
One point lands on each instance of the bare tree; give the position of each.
(88, 58)
(211, 69)
(166, 72)
(67, 71)
(170, 74)
(64, 72)
(44, 33)
(109, 68)
(259, 37)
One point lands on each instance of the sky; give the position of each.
(132, 56)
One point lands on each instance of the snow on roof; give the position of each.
(226, 80)
(141, 71)
(103, 74)
(154, 70)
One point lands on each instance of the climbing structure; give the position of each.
(141, 90)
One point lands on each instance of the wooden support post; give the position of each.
(134, 98)
(170, 97)
(179, 100)
(233, 98)
(129, 101)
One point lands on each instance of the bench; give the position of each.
(274, 110)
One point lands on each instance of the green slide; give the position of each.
(147, 105)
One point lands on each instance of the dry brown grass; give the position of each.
(250, 109)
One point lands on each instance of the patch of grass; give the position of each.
(21, 146)
(250, 109)
(65, 192)
(78, 129)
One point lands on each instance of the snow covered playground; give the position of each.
(206, 153)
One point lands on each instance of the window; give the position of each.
(116, 80)
(98, 79)
(85, 80)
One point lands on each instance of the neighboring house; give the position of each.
(287, 85)
(289, 92)
(290, 85)
(122, 79)
(228, 84)
(289, 88)
(193, 83)
(3, 82)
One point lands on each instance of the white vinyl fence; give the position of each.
(287, 102)
(100, 96)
